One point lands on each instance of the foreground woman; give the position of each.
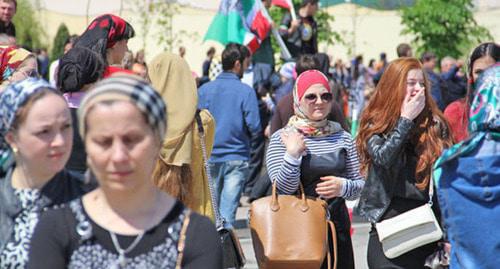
(35, 143)
(127, 222)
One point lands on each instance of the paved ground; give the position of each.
(360, 240)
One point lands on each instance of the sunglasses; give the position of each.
(325, 97)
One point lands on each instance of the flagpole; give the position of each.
(285, 53)
(292, 10)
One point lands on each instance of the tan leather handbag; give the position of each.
(291, 231)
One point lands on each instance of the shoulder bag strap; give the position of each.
(219, 222)
(182, 240)
(431, 189)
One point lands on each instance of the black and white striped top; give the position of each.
(285, 169)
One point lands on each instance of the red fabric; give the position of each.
(114, 25)
(456, 114)
(6, 54)
(260, 25)
(309, 78)
(281, 3)
(110, 70)
(253, 45)
(116, 31)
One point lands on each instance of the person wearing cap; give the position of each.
(287, 77)
(108, 36)
(319, 154)
(127, 222)
(35, 143)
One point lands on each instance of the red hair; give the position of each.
(384, 110)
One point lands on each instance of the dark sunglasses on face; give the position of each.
(325, 97)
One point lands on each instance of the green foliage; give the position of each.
(445, 27)
(28, 29)
(166, 12)
(161, 13)
(58, 46)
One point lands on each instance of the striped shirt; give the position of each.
(285, 169)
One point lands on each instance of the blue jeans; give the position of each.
(229, 179)
(261, 72)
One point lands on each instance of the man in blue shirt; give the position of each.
(234, 107)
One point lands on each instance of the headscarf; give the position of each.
(299, 121)
(123, 87)
(78, 67)
(484, 118)
(12, 58)
(11, 100)
(171, 75)
(103, 33)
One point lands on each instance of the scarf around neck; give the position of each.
(300, 122)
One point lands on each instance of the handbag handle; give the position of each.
(334, 242)
(219, 221)
(274, 200)
(431, 190)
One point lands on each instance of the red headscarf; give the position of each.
(309, 78)
(103, 33)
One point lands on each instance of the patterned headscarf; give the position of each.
(300, 122)
(484, 117)
(128, 88)
(12, 58)
(103, 33)
(11, 100)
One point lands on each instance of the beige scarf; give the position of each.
(171, 76)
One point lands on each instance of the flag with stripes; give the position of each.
(239, 21)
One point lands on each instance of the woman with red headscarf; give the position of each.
(319, 154)
(108, 36)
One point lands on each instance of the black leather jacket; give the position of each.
(62, 188)
(389, 162)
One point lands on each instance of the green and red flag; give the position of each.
(239, 21)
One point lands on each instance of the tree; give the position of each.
(28, 29)
(445, 27)
(59, 41)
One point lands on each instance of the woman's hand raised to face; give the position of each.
(331, 187)
(413, 105)
(294, 143)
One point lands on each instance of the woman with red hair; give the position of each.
(402, 133)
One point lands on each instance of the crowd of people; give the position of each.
(103, 156)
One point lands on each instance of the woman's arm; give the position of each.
(382, 150)
(47, 249)
(282, 167)
(355, 182)
(203, 247)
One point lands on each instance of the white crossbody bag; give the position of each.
(409, 230)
